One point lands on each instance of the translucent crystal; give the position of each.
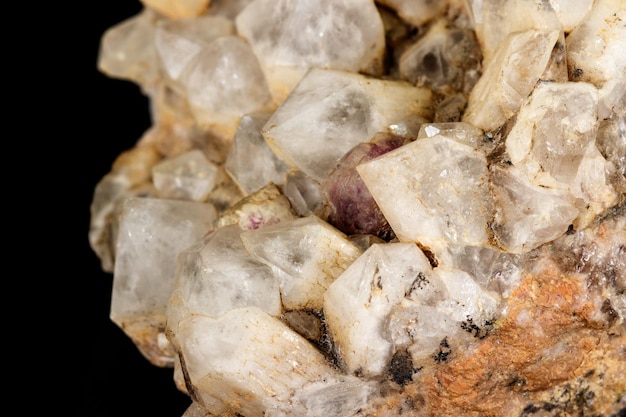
(571, 12)
(509, 77)
(310, 253)
(595, 48)
(304, 193)
(553, 143)
(127, 50)
(254, 363)
(189, 176)
(223, 83)
(357, 304)
(251, 162)
(528, 215)
(216, 275)
(291, 36)
(432, 191)
(178, 42)
(498, 19)
(460, 131)
(151, 233)
(329, 112)
(438, 60)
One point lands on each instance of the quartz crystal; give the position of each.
(362, 208)
(290, 37)
(432, 191)
(331, 111)
(152, 232)
(309, 253)
(189, 176)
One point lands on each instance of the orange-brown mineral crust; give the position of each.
(553, 354)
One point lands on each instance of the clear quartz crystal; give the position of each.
(509, 77)
(188, 176)
(357, 304)
(152, 232)
(291, 36)
(223, 83)
(330, 112)
(553, 143)
(127, 51)
(251, 162)
(216, 275)
(309, 253)
(432, 191)
(178, 42)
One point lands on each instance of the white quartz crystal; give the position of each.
(255, 364)
(330, 112)
(188, 176)
(309, 253)
(127, 50)
(223, 82)
(432, 191)
(509, 77)
(595, 48)
(151, 233)
(357, 304)
(215, 275)
(499, 18)
(553, 143)
(527, 214)
(303, 192)
(291, 36)
(178, 42)
(251, 162)
(571, 12)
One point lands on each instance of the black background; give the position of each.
(113, 378)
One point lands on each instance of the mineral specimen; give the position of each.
(374, 208)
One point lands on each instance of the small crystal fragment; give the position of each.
(189, 176)
(127, 50)
(265, 207)
(251, 162)
(438, 60)
(552, 142)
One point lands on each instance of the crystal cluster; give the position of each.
(374, 208)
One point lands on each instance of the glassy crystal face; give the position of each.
(356, 208)
(152, 232)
